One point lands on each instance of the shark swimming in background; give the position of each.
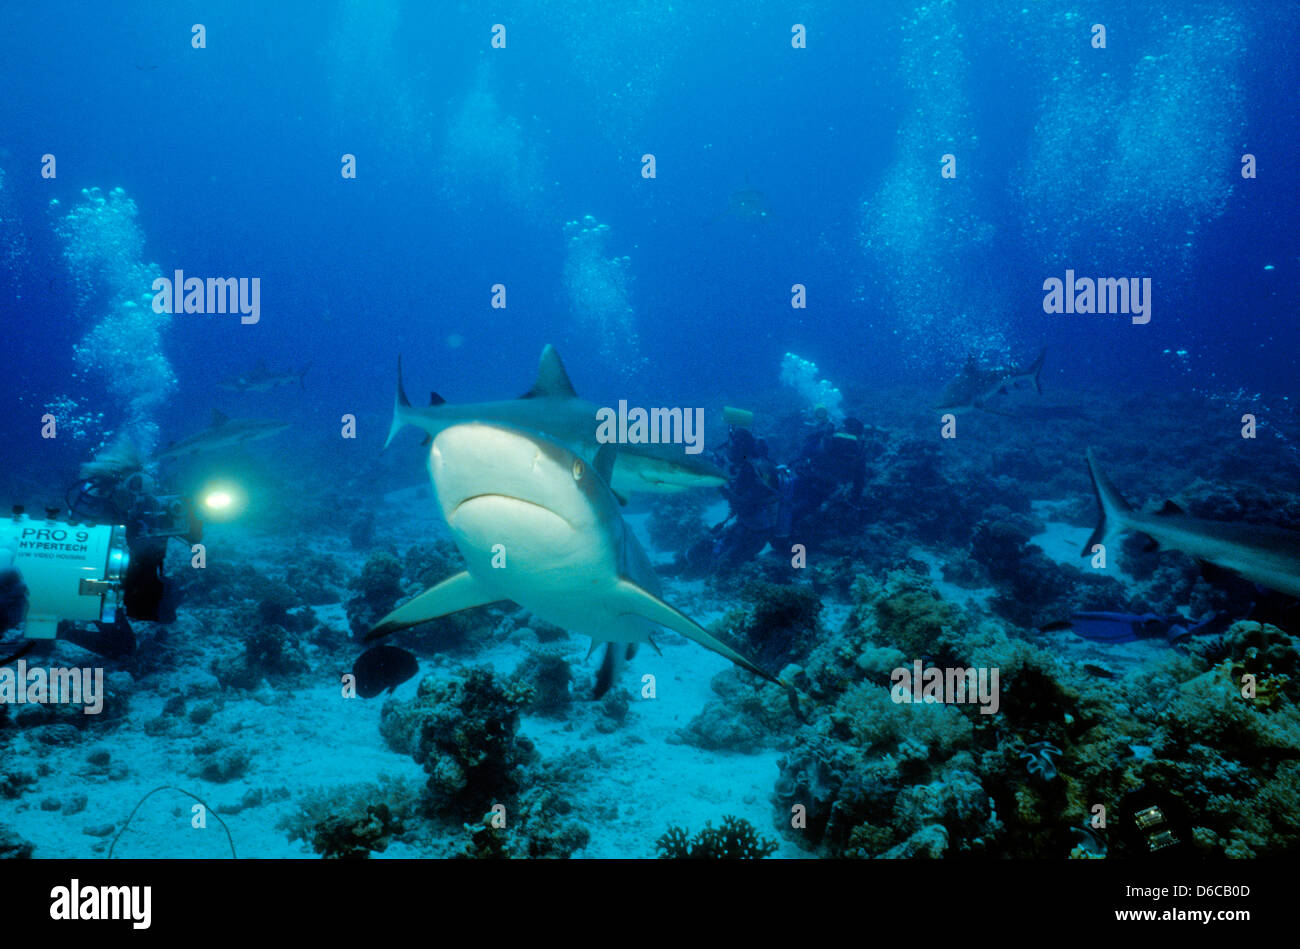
(977, 387)
(1268, 556)
(747, 205)
(539, 526)
(553, 408)
(261, 379)
(224, 433)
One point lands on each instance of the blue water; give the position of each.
(479, 166)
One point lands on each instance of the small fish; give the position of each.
(383, 668)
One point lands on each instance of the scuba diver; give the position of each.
(830, 463)
(131, 497)
(759, 495)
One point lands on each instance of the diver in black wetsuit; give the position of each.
(759, 497)
(831, 463)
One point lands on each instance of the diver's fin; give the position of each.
(552, 380)
(456, 593)
(637, 601)
(400, 402)
(1036, 367)
(1111, 507)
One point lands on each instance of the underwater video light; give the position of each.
(222, 501)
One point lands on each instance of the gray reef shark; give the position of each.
(748, 206)
(261, 379)
(224, 433)
(1268, 556)
(553, 408)
(540, 527)
(976, 387)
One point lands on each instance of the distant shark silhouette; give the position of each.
(553, 408)
(224, 433)
(261, 379)
(747, 205)
(979, 388)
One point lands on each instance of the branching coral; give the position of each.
(736, 839)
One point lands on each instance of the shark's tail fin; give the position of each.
(400, 404)
(1111, 504)
(301, 385)
(1037, 367)
(616, 655)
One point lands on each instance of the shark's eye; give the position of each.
(577, 469)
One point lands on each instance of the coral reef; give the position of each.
(676, 521)
(777, 625)
(378, 588)
(464, 732)
(352, 821)
(548, 673)
(736, 839)
(12, 846)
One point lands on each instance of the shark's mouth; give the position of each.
(508, 499)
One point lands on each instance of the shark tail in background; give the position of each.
(1037, 367)
(616, 656)
(400, 406)
(1111, 504)
(301, 385)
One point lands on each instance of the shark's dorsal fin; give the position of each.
(219, 418)
(1169, 507)
(552, 380)
(435, 399)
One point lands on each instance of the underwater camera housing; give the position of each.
(72, 571)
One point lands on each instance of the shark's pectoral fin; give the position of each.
(456, 593)
(637, 601)
(1215, 573)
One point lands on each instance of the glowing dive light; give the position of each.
(222, 502)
